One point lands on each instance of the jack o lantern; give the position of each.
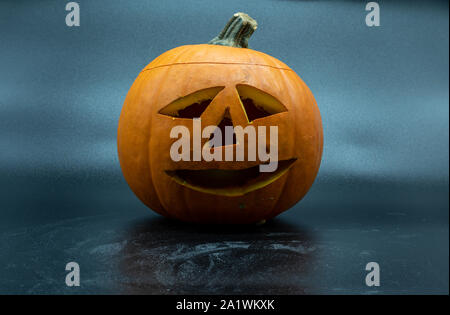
(222, 83)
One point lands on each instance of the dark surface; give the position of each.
(320, 246)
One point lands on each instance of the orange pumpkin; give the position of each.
(224, 83)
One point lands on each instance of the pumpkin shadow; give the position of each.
(163, 256)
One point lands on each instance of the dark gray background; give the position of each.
(381, 193)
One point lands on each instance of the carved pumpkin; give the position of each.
(225, 84)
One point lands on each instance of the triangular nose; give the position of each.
(226, 121)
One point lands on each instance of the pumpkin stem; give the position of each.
(237, 31)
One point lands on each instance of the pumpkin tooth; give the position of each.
(192, 105)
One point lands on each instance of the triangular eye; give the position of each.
(258, 104)
(192, 105)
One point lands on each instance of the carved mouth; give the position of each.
(229, 182)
